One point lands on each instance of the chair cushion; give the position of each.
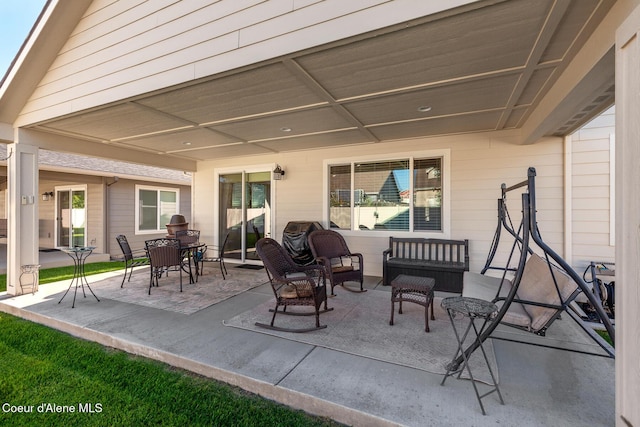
(537, 285)
(341, 268)
(289, 291)
(485, 287)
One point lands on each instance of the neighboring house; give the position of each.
(87, 201)
(228, 90)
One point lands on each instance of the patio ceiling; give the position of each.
(480, 68)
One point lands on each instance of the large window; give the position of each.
(155, 207)
(403, 194)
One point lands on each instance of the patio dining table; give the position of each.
(190, 251)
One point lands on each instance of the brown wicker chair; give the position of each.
(163, 254)
(292, 284)
(331, 251)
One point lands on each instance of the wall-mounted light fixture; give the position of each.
(47, 195)
(278, 173)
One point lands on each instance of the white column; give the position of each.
(628, 221)
(22, 211)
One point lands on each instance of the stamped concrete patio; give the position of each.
(541, 386)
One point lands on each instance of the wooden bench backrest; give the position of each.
(436, 250)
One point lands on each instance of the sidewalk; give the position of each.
(541, 387)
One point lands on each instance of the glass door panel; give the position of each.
(71, 217)
(244, 212)
(230, 214)
(258, 212)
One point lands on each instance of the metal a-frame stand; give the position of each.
(527, 231)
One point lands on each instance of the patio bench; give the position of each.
(443, 260)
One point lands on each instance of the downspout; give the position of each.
(105, 212)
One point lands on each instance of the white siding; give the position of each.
(129, 47)
(591, 168)
(480, 163)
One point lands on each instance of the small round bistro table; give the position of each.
(473, 309)
(79, 255)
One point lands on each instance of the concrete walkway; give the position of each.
(541, 387)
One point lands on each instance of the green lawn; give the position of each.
(66, 381)
(56, 274)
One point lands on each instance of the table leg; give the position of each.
(460, 352)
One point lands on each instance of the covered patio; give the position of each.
(281, 109)
(540, 386)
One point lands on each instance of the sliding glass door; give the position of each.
(71, 216)
(244, 211)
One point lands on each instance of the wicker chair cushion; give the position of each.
(341, 268)
(298, 291)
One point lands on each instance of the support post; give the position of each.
(22, 211)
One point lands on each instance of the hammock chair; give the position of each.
(534, 293)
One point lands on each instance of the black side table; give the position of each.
(79, 256)
(473, 309)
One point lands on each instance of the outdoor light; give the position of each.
(46, 195)
(278, 173)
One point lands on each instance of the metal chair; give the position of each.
(202, 257)
(331, 251)
(187, 237)
(163, 254)
(292, 285)
(132, 258)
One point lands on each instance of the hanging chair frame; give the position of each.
(527, 231)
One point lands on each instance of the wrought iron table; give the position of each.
(471, 308)
(79, 256)
(190, 251)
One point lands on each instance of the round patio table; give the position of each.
(79, 255)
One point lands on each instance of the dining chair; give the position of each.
(164, 253)
(219, 259)
(132, 258)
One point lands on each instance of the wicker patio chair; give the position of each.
(292, 284)
(132, 258)
(163, 253)
(341, 265)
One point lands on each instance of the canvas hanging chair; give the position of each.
(534, 287)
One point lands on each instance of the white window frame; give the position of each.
(157, 189)
(444, 154)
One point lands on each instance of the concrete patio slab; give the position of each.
(541, 386)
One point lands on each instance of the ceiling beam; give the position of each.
(296, 69)
(61, 143)
(547, 31)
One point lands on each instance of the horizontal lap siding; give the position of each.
(479, 165)
(122, 213)
(125, 48)
(591, 191)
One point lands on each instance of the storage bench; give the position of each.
(444, 260)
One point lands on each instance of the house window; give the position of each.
(155, 207)
(403, 194)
